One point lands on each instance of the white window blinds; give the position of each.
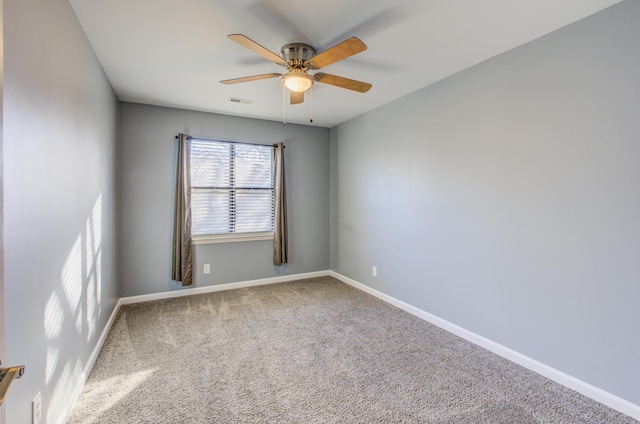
(231, 188)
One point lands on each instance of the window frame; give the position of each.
(235, 236)
(231, 237)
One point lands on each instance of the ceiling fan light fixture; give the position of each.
(298, 81)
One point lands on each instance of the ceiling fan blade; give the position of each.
(247, 42)
(338, 52)
(296, 98)
(349, 84)
(251, 78)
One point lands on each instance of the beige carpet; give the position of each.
(310, 351)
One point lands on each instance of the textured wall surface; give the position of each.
(505, 199)
(60, 128)
(147, 161)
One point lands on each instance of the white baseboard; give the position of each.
(220, 287)
(593, 392)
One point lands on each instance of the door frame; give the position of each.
(2, 308)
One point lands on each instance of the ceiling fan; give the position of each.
(298, 59)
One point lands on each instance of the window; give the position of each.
(231, 191)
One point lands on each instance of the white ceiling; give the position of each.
(175, 52)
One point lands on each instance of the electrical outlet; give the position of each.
(36, 409)
(374, 271)
(207, 268)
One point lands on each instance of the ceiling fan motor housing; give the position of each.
(297, 53)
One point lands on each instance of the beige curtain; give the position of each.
(182, 258)
(280, 234)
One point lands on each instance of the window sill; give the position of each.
(231, 238)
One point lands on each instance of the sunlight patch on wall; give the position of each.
(94, 235)
(53, 321)
(91, 308)
(53, 354)
(79, 321)
(93, 254)
(68, 311)
(67, 388)
(72, 276)
(53, 317)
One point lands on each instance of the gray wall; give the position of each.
(147, 160)
(505, 199)
(60, 128)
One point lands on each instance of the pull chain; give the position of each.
(311, 104)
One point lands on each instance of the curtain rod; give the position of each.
(232, 142)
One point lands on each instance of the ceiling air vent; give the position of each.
(239, 100)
